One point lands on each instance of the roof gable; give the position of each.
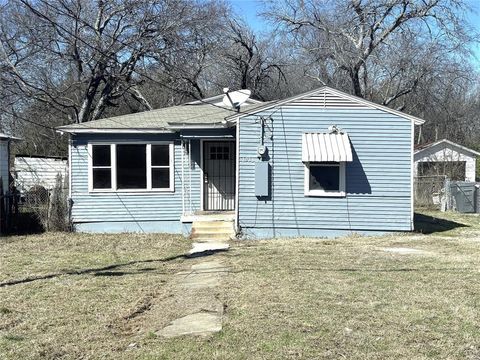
(446, 142)
(328, 97)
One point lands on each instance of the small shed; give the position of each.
(444, 157)
(5, 141)
(31, 171)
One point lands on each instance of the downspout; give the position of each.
(70, 200)
(237, 175)
(190, 175)
(183, 176)
(412, 163)
(69, 167)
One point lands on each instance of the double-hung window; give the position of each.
(161, 167)
(101, 169)
(131, 167)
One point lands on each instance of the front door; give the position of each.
(219, 175)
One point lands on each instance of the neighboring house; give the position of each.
(32, 171)
(323, 163)
(444, 157)
(5, 141)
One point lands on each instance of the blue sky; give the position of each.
(249, 9)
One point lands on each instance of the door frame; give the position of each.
(202, 175)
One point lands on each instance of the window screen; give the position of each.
(325, 177)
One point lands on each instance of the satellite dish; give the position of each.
(235, 98)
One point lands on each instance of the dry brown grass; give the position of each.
(88, 315)
(294, 299)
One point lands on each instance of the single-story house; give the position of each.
(5, 141)
(323, 163)
(444, 157)
(31, 171)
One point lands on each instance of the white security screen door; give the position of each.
(219, 175)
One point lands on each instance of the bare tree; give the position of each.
(80, 57)
(343, 40)
(250, 61)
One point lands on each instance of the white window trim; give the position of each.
(325, 193)
(113, 162)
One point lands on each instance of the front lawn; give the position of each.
(402, 296)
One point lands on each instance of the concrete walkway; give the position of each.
(197, 287)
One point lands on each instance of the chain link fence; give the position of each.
(47, 209)
(430, 191)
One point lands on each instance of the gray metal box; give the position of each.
(464, 195)
(262, 179)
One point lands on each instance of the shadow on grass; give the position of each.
(107, 270)
(426, 224)
(25, 223)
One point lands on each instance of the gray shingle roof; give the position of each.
(162, 119)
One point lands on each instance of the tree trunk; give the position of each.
(355, 77)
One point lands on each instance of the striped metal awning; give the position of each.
(323, 147)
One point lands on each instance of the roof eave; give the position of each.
(113, 131)
(464, 148)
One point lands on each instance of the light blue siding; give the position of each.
(144, 211)
(167, 227)
(378, 181)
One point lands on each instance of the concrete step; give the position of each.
(212, 232)
(224, 228)
(213, 224)
(206, 236)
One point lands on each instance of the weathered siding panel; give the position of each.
(133, 209)
(38, 171)
(4, 163)
(378, 181)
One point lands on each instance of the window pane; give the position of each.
(101, 155)
(325, 178)
(132, 166)
(102, 179)
(160, 178)
(160, 155)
